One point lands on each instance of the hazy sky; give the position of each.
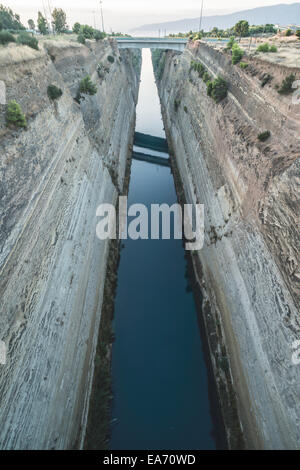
(122, 15)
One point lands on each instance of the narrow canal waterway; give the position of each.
(159, 374)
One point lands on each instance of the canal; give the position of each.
(159, 374)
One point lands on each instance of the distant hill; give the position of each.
(277, 14)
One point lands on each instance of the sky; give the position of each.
(122, 15)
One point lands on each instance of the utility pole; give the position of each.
(102, 16)
(200, 19)
(51, 26)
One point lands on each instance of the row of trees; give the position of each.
(59, 22)
(241, 29)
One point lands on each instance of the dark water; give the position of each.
(159, 374)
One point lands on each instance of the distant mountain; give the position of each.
(277, 14)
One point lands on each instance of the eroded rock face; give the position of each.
(71, 158)
(249, 266)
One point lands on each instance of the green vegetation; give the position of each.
(185, 109)
(209, 88)
(87, 31)
(287, 85)
(298, 33)
(237, 54)
(14, 115)
(198, 67)
(289, 32)
(242, 28)
(86, 87)
(257, 30)
(263, 47)
(9, 20)
(42, 24)
(218, 89)
(81, 38)
(206, 77)
(230, 43)
(243, 65)
(176, 104)
(28, 40)
(98, 35)
(264, 136)
(110, 59)
(54, 92)
(76, 28)
(6, 37)
(266, 48)
(59, 20)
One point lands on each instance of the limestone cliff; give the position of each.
(249, 267)
(71, 158)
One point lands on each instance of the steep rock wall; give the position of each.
(249, 267)
(71, 158)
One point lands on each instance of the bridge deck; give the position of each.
(150, 142)
(151, 159)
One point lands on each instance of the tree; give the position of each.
(87, 31)
(42, 24)
(298, 33)
(9, 20)
(76, 28)
(31, 24)
(59, 20)
(14, 115)
(242, 28)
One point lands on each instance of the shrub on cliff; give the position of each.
(263, 48)
(243, 65)
(206, 77)
(237, 54)
(110, 59)
(230, 43)
(54, 92)
(273, 48)
(98, 35)
(28, 40)
(14, 115)
(219, 89)
(81, 39)
(6, 37)
(87, 31)
(289, 32)
(287, 85)
(209, 88)
(298, 33)
(264, 136)
(86, 87)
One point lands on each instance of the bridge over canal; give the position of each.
(176, 44)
